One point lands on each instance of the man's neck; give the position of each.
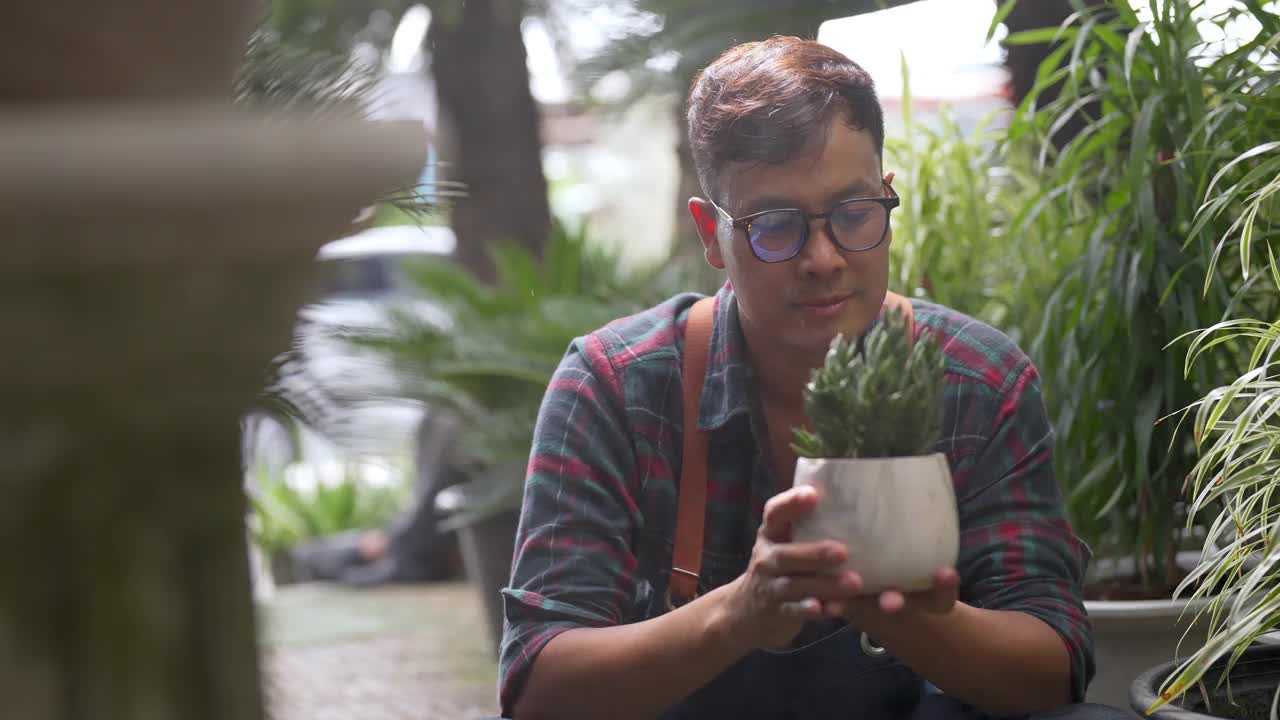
(782, 374)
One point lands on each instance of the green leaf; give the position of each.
(1275, 270)
(1039, 36)
(1248, 154)
(1001, 13)
(1130, 51)
(1246, 238)
(1110, 38)
(1078, 47)
(1118, 494)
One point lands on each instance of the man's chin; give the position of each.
(819, 332)
(812, 344)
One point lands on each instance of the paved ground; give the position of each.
(402, 653)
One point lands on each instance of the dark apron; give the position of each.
(825, 673)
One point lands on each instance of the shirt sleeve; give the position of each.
(573, 564)
(1017, 548)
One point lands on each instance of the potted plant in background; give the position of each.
(302, 502)
(964, 200)
(1235, 479)
(1164, 107)
(491, 363)
(276, 76)
(876, 410)
(1238, 474)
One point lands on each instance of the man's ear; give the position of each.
(706, 220)
(888, 179)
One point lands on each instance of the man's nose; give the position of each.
(821, 255)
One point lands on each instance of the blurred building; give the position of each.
(948, 61)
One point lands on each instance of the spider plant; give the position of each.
(1237, 430)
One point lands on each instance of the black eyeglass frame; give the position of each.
(889, 202)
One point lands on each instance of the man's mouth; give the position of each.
(825, 306)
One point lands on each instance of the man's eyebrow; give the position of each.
(768, 202)
(859, 189)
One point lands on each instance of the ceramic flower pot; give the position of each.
(897, 516)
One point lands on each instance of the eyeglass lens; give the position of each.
(857, 225)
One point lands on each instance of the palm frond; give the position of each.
(503, 342)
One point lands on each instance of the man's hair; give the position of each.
(767, 101)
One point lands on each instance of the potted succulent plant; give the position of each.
(876, 409)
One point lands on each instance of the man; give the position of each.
(780, 129)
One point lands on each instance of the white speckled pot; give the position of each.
(897, 516)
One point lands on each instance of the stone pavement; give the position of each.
(416, 652)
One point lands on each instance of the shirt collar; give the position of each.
(726, 389)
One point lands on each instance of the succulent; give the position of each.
(880, 396)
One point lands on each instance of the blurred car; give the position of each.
(329, 399)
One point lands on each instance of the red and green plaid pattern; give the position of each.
(595, 538)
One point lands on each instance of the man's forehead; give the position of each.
(836, 163)
(758, 191)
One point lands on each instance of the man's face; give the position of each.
(802, 303)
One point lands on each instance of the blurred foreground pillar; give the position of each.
(155, 243)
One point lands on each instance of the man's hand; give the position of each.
(868, 610)
(786, 583)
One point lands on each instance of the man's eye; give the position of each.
(851, 216)
(775, 221)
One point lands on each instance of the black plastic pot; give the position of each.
(486, 553)
(1252, 685)
(486, 534)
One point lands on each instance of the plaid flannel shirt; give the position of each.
(598, 520)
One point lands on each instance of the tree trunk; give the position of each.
(478, 58)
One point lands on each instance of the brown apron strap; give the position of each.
(686, 562)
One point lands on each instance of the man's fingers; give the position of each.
(802, 558)
(823, 587)
(940, 598)
(946, 590)
(803, 609)
(946, 578)
(784, 509)
(892, 601)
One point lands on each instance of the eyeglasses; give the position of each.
(857, 225)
